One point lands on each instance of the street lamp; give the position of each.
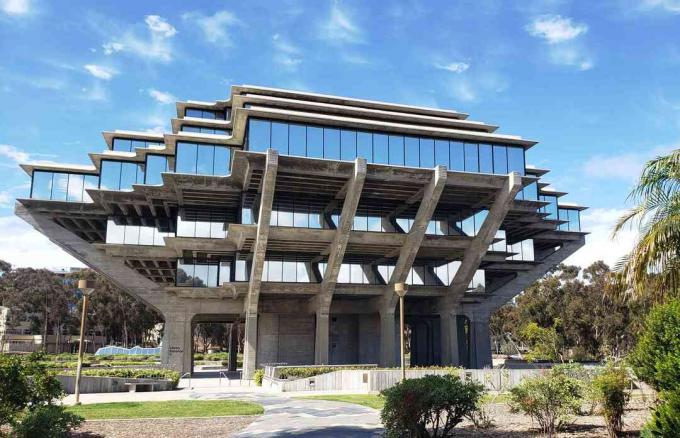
(86, 287)
(401, 289)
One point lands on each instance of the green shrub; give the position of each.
(28, 392)
(131, 373)
(47, 421)
(258, 376)
(550, 399)
(665, 421)
(656, 356)
(198, 356)
(609, 390)
(435, 402)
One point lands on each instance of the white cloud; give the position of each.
(100, 71)
(463, 90)
(286, 54)
(215, 27)
(599, 222)
(453, 67)
(626, 166)
(14, 154)
(471, 88)
(161, 96)
(156, 47)
(571, 56)
(22, 246)
(95, 93)
(672, 6)
(111, 48)
(555, 28)
(340, 27)
(15, 7)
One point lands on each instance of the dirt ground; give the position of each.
(166, 428)
(509, 425)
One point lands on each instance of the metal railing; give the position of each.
(183, 376)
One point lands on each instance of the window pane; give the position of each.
(42, 185)
(471, 158)
(225, 273)
(412, 151)
(298, 140)
(91, 182)
(343, 275)
(114, 233)
(348, 145)
(289, 272)
(331, 146)
(185, 161)
(241, 271)
(122, 144)
(204, 162)
(300, 219)
(516, 160)
(131, 234)
(396, 150)
(128, 175)
(500, 160)
(155, 165)
(280, 137)
(314, 142)
(146, 235)
(258, 135)
(365, 146)
(441, 152)
(222, 162)
(380, 149)
(201, 275)
(285, 219)
(457, 158)
(485, 158)
(202, 228)
(110, 175)
(302, 274)
(426, 152)
(531, 191)
(193, 112)
(137, 144)
(75, 188)
(275, 270)
(185, 228)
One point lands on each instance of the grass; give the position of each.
(369, 400)
(166, 409)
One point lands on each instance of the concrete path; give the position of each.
(284, 415)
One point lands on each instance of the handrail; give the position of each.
(225, 376)
(184, 375)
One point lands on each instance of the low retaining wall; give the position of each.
(92, 384)
(367, 381)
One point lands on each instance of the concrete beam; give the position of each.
(337, 252)
(259, 253)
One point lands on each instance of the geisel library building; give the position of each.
(295, 214)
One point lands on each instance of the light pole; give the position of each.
(401, 289)
(86, 287)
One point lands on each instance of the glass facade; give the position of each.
(288, 271)
(347, 144)
(208, 114)
(550, 209)
(129, 145)
(434, 274)
(120, 175)
(202, 159)
(193, 273)
(155, 165)
(60, 186)
(205, 130)
(134, 234)
(573, 218)
(207, 223)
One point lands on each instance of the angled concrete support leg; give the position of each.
(250, 347)
(259, 253)
(352, 194)
(176, 351)
(233, 346)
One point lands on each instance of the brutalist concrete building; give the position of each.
(296, 213)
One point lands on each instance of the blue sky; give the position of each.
(596, 83)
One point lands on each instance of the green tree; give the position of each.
(655, 256)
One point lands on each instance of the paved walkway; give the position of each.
(284, 415)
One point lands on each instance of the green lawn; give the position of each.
(166, 409)
(370, 400)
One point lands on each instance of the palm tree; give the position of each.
(653, 265)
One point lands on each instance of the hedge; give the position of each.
(130, 373)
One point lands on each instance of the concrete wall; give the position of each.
(92, 384)
(285, 338)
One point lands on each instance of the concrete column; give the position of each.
(321, 343)
(388, 339)
(176, 351)
(233, 346)
(250, 347)
(449, 337)
(480, 339)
